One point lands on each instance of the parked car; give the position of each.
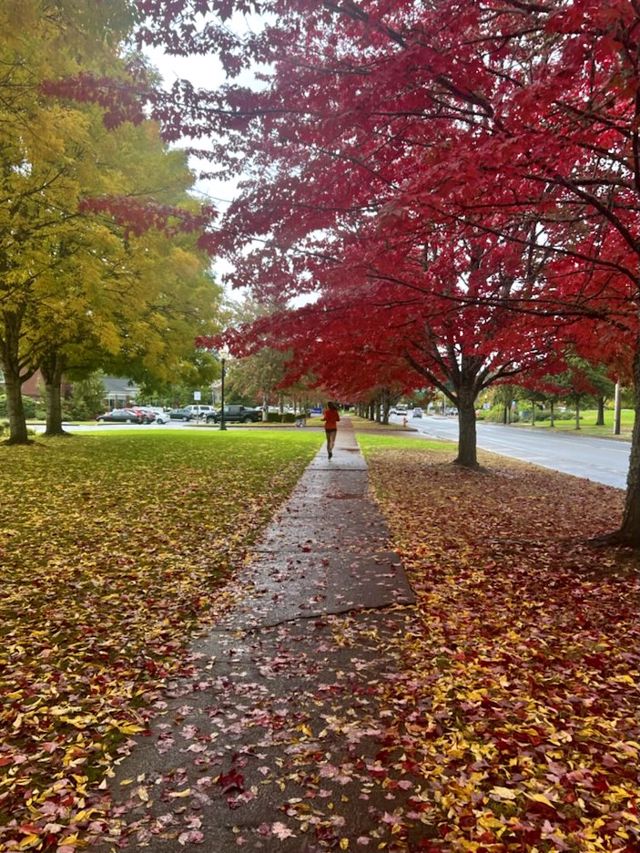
(236, 414)
(121, 416)
(161, 416)
(417, 412)
(399, 409)
(198, 411)
(147, 416)
(155, 414)
(182, 414)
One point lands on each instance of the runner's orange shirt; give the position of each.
(331, 418)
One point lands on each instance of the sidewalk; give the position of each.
(276, 744)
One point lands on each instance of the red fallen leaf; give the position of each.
(419, 806)
(600, 784)
(378, 773)
(542, 809)
(231, 781)
(29, 829)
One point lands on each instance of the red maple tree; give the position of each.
(514, 118)
(481, 113)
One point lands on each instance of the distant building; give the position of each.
(119, 392)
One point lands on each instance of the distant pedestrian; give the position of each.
(331, 417)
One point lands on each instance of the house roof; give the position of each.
(119, 386)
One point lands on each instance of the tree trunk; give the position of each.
(552, 422)
(629, 533)
(467, 443)
(617, 410)
(386, 406)
(15, 408)
(52, 367)
(14, 375)
(600, 416)
(533, 413)
(54, 409)
(577, 413)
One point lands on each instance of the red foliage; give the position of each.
(122, 100)
(138, 217)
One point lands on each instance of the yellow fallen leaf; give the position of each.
(129, 728)
(540, 798)
(503, 793)
(344, 843)
(85, 814)
(82, 721)
(176, 794)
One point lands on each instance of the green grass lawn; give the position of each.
(113, 550)
(371, 442)
(588, 423)
(364, 424)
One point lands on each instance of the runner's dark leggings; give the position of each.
(331, 438)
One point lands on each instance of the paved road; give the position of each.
(599, 459)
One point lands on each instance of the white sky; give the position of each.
(202, 72)
(205, 72)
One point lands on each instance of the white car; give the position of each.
(200, 411)
(161, 416)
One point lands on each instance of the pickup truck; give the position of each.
(235, 414)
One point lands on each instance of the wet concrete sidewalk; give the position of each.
(275, 741)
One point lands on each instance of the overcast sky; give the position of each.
(202, 72)
(206, 72)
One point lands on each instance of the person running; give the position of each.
(331, 417)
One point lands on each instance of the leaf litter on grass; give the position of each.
(505, 718)
(113, 549)
(521, 679)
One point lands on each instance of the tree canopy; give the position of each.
(99, 255)
(384, 139)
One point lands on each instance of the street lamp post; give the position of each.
(222, 423)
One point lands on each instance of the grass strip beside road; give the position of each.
(516, 710)
(114, 549)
